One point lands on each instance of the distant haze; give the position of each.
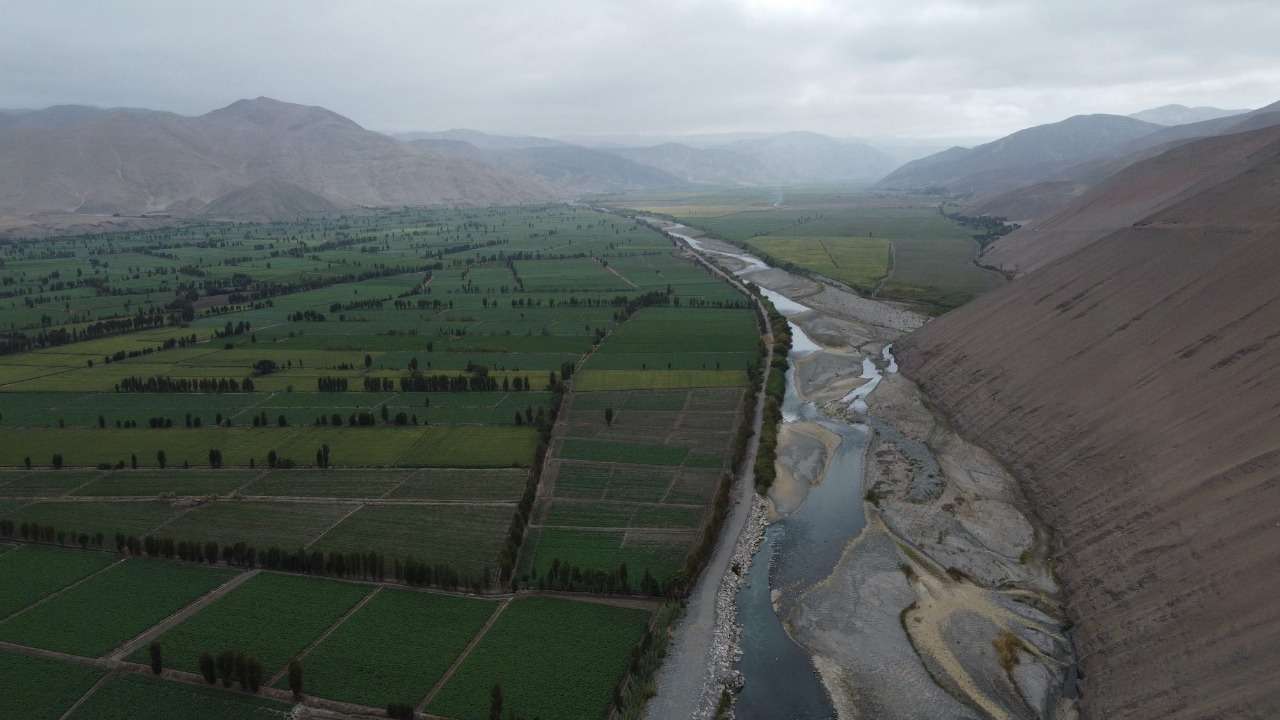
(564, 68)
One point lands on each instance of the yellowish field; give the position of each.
(858, 261)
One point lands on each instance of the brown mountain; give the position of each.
(1136, 190)
(88, 160)
(1134, 387)
(1026, 157)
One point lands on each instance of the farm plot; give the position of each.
(331, 483)
(286, 525)
(91, 517)
(591, 379)
(659, 553)
(553, 658)
(43, 484)
(395, 648)
(468, 537)
(458, 485)
(34, 688)
(620, 452)
(138, 697)
(860, 262)
(153, 483)
(31, 572)
(112, 607)
(296, 609)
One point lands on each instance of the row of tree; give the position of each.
(167, 384)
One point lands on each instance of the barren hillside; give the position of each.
(1134, 387)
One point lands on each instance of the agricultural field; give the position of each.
(394, 648)
(296, 609)
(843, 235)
(41, 689)
(112, 607)
(139, 697)
(553, 658)
(416, 403)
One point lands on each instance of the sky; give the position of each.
(851, 68)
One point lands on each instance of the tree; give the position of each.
(368, 361)
(161, 459)
(272, 458)
(157, 664)
(215, 458)
(495, 702)
(208, 669)
(133, 460)
(102, 422)
(226, 667)
(57, 461)
(608, 417)
(295, 678)
(27, 461)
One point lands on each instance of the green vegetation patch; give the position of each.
(334, 483)
(661, 555)
(132, 696)
(271, 617)
(468, 537)
(857, 261)
(141, 483)
(286, 525)
(553, 658)
(87, 516)
(394, 649)
(620, 452)
(33, 688)
(112, 607)
(598, 380)
(30, 572)
(477, 485)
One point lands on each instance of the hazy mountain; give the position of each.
(1023, 158)
(810, 157)
(574, 170)
(716, 166)
(90, 160)
(1132, 386)
(482, 140)
(1181, 114)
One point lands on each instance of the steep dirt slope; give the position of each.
(1134, 388)
(1127, 196)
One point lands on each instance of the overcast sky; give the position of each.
(555, 67)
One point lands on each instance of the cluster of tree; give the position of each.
(167, 384)
(230, 330)
(35, 532)
(306, 316)
(474, 382)
(261, 420)
(775, 389)
(370, 304)
(564, 576)
(331, 384)
(990, 227)
(13, 342)
(233, 666)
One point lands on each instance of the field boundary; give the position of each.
(87, 694)
(462, 657)
(60, 591)
(200, 603)
(336, 523)
(324, 636)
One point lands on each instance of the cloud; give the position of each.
(865, 67)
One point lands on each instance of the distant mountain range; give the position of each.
(1182, 115)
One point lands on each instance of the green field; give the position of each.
(385, 381)
(33, 688)
(139, 697)
(31, 572)
(553, 659)
(297, 610)
(112, 607)
(395, 648)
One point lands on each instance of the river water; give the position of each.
(801, 549)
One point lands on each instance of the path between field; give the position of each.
(893, 263)
(87, 693)
(336, 523)
(680, 681)
(316, 643)
(435, 689)
(622, 277)
(64, 590)
(177, 618)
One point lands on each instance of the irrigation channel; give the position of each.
(891, 559)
